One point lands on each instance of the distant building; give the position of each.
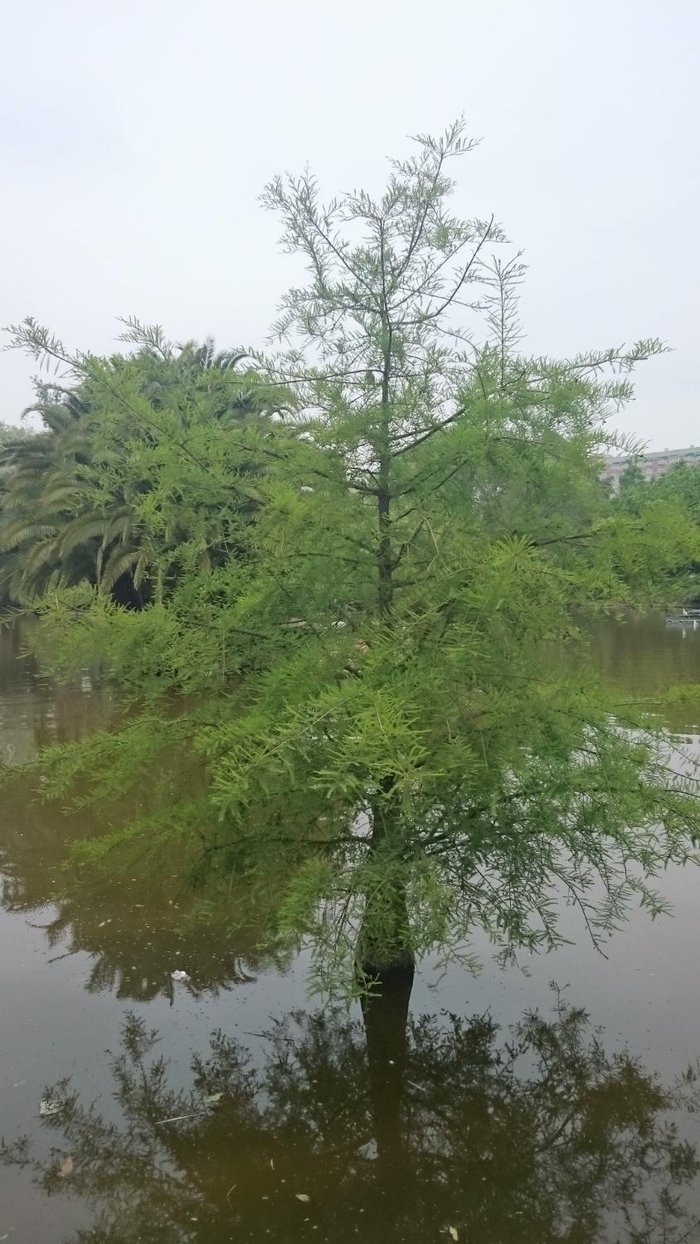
(651, 465)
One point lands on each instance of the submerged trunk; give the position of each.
(385, 937)
(386, 964)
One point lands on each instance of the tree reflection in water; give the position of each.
(135, 923)
(537, 1135)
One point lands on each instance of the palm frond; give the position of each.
(87, 527)
(118, 565)
(20, 532)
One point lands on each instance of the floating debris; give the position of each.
(177, 1118)
(49, 1106)
(369, 1152)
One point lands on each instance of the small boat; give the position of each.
(690, 619)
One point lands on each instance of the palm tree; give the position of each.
(93, 496)
(44, 474)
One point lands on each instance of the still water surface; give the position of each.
(507, 1111)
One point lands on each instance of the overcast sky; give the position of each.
(136, 136)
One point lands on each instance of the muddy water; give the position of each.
(225, 1106)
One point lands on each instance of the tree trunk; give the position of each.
(384, 552)
(385, 568)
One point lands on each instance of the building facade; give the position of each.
(651, 465)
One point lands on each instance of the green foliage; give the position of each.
(682, 482)
(634, 489)
(371, 603)
(9, 432)
(671, 502)
(145, 469)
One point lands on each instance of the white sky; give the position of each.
(135, 136)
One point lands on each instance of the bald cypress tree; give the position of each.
(409, 728)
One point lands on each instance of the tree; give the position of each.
(133, 474)
(683, 482)
(402, 725)
(46, 474)
(9, 432)
(676, 494)
(635, 489)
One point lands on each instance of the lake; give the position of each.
(162, 1079)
